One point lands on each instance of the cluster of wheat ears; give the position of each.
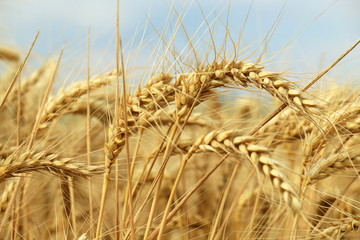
(173, 158)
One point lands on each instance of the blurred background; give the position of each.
(325, 29)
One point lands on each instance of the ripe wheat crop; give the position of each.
(218, 148)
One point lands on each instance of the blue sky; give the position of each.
(68, 20)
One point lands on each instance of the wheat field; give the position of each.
(207, 144)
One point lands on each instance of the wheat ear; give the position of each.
(59, 104)
(341, 228)
(230, 141)
(159, 92)
(45, 71)
(32, 161)
(345, 119)
(327, 166)
(9, 54)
